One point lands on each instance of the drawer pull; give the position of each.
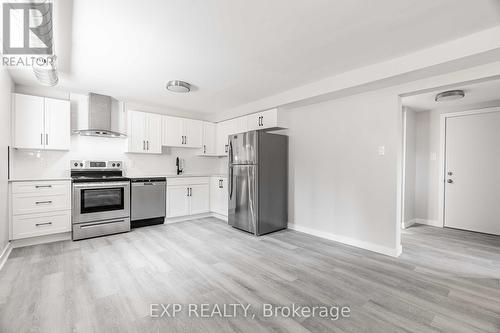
(43, 186)
(41, 224)
(43, 202)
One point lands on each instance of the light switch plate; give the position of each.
(381, 150)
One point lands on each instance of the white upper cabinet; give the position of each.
(154, 137)
(264, 119)
(181, 132)
(57, 124)
(144, 132)
(41, 123)
(209, 139)
(193, 133)
(223, 131)
(173, 131)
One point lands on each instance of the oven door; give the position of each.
(100, 201)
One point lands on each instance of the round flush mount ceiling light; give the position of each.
(450, 95)
(178, 86)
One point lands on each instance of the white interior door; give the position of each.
(57, 124)
(472, 186)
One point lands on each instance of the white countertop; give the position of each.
(184, 175)
(37, 179)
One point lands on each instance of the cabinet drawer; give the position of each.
(187, 181)
(42, 187)
(32, 225)
(27, 203)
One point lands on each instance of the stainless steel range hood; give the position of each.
(97, 115)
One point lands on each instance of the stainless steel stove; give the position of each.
(101, 199)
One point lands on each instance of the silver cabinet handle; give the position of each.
(204, 149)
(147, 144)
(225, 148)
(46, 139)
(187, 188)
(40, 224)
(262, 121)
(42, 186)
(143, 145)
(48, 202)
(41, 139)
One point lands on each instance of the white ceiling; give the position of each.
(475, 94)
(236, 52)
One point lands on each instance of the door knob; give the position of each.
(450, 181)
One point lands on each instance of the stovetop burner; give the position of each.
(97, 171)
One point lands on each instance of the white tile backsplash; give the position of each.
(47, 164)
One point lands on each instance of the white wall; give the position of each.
(6, 87)
(410, 165)
(340, 187)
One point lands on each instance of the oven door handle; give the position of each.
(100, 184)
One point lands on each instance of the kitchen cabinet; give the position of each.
(209, 139)
(144, 132)
(177, 200)
(263, 120)
(218, 195)
(226, 128)
(41, 123)
(182, 132)
(40, 208)
(187, 196)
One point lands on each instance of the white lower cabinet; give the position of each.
(218, 195)
(40, 208)
(187, 196)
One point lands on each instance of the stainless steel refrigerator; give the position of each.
(258, 182)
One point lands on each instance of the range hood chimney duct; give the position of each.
(98, 115)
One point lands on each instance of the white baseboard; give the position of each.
(409, 223)
(5, 254)
(393, 252)
(41, 239)
(433, 223)
(194, 217)
(220, 217)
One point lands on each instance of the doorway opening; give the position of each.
(449, 149)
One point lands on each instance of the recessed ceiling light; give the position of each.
(178, 86)
(449, 95)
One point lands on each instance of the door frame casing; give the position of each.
(442, 153)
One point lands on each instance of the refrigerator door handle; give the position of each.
(230, 152)
(230, 182)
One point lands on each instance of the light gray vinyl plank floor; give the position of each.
(445, 281)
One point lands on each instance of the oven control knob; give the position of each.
(81, 165)
(76, 164)
(113, 165)
(118, 164)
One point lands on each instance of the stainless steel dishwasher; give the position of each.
(148, 201)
